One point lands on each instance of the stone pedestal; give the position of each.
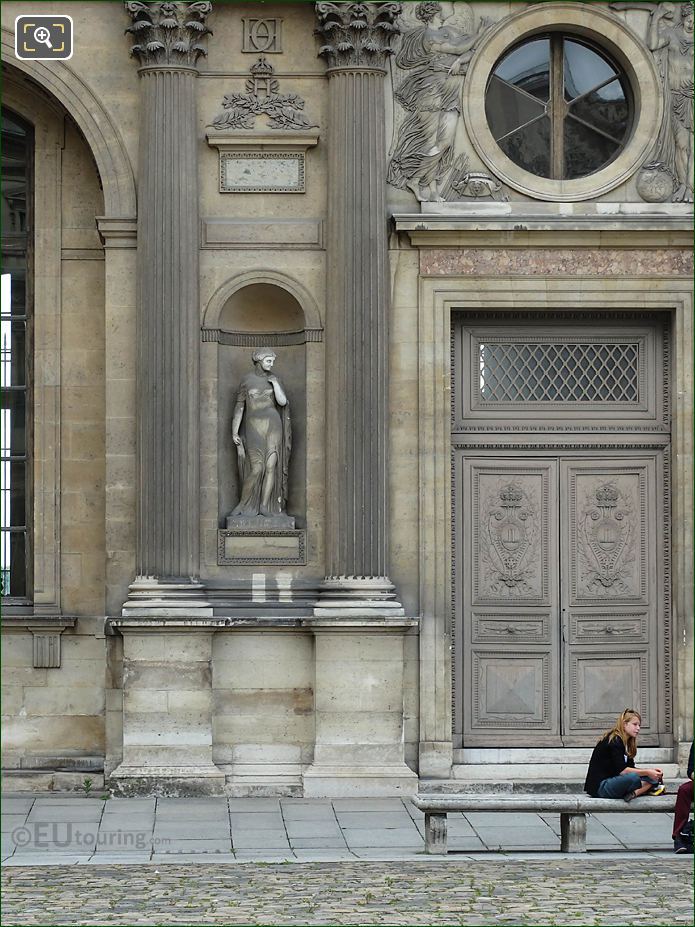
(167, 711)
(359, 709)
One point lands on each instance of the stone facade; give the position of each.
(181, 652)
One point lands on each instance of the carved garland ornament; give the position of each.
(262, 97)
(168, 33)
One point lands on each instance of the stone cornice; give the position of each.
(357, 35)
(168, 34)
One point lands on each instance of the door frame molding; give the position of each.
(438, 297)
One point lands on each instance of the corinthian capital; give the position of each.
(357, 35)
(168, 33)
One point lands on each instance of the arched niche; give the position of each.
(242, 318)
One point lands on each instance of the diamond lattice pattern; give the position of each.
(568, 372)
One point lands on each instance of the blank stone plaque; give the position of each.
(261, 172)
(236, 546)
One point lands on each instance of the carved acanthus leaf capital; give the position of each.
(168, 33)
(357, 35)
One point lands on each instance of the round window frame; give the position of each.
(607, 33)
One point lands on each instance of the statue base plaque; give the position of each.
(261, 522)
(253, 541)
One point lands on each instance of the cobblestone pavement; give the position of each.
(517, 892)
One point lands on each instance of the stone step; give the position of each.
(499, 772)
(50, 780)
(85, 764)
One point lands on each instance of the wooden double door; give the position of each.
(560, 595)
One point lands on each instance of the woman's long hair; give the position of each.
(618, 730)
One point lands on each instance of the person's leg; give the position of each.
(620, 786)
(684, 800)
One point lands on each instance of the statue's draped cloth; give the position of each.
(266, 431)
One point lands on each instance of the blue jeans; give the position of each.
(619, 786)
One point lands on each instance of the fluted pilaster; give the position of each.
(167, 46)
(358, 37)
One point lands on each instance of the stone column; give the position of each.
(167, 46)
(357, 38)
(358, 626)
(167, 638)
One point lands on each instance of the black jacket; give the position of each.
(607, 760)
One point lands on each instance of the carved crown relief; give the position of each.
(262, 97)
(607, 531)
(168, 33)
(509, 540)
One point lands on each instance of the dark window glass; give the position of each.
(15, 502)
(581, 96)
(584, 69)
(605, 109)
(585, 150)
(528, 68)
(529, 147)
(507, 109)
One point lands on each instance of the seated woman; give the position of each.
(684, 801)
(612, 772)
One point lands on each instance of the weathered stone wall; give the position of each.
(263, 692)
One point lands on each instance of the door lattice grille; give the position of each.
(567, 372)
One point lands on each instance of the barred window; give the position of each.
(576, 372)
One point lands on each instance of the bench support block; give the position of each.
(435, 832)
(572, 832)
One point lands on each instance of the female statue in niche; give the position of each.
(263, 446)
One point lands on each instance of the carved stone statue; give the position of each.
(436, 53)
(670, 37)
(262, 434)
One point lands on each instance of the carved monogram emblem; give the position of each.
(606, 530)
(511, 531)
(262, 97)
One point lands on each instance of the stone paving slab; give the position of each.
(312, 829)
(308, 843)
(43, 813)
(194, 846)
(127, 822)
(16, 805)
(372, 819)
(130, 805)
(368, 804)
(382, 838)
(260, 821)
(262, 840)
(8, 822)
(192, 830)
(254, 804)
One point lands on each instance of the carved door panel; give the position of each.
(507, 527)
(612, 546)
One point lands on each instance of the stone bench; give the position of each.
(572, 809)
